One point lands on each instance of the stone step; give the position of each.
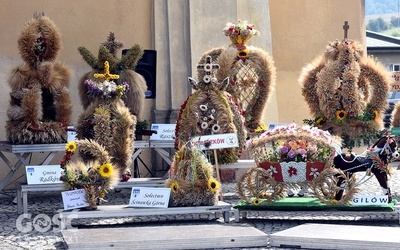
(333, 236)
(205, 236)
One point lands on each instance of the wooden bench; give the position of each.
(112, 211)
(23, 189)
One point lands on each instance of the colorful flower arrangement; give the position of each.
(106, 89)
(294, 143)
(96, 176)
(241, 32)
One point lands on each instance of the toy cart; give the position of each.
(294, 156)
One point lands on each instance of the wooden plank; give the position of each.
(109, 211)
(207, 236)
(332, 236)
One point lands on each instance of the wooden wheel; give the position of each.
(325, 187)
(257, 186)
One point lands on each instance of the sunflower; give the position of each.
(341, 114)
(320, 121)
(174, 186)
(256, 201)
(334, 202)
(71, 147)
(213, 185)
(376, 115)
(106, 170)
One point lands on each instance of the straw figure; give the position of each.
(191, 179)
(210, 110)
(40, 105)
(108, 121)
(346, 92)
(250, 69)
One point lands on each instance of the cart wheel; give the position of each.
(257, 186)
(325, 187)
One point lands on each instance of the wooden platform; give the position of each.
(222, 208)
(331, 236)
(23, 189)
(207, 236)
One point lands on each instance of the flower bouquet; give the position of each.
(241, 32)
(96, 177)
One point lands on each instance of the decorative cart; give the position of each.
(294, 156)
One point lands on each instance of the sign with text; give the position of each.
(396, 82)
(149, 197)
(164, 132)
(206, 142)
(370, 200)
(43, 174)
(71, 134)
(74, 199)
(395, 131)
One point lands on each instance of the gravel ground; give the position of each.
(46, 204)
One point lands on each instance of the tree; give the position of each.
(373, 25)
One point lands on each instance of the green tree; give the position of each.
(394, 21)
(383, 25)
(373, 25)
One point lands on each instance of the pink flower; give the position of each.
(302, 151)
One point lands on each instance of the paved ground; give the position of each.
(43, 206)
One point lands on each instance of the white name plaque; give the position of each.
(206, 142)
(43, 174)
(370, 200)
(71, 134)
(74, 199)
(164, 132)
(149, 197)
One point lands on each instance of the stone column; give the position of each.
(183, 31)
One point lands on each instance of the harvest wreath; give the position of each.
(96, 177)
(337, 87)
(191, 179)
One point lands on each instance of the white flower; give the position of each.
(272, 170)
(314, 172)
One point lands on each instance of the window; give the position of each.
(394, 67)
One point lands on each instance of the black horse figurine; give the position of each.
(376, 160)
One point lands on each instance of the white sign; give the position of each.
(71, 134)
(149, 197)
(206, 142)
(164, 132)
(43, 174)
(275, 125)
(74, 199)
(370, 200)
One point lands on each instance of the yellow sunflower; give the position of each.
(334, 202)
(213, 185)
(320, 121)
(106, 170)
(341, 114)
(256, 202)
(376, 115)
(102, 193)
(174, 186)
(71, 147)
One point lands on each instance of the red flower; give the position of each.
(261, 83)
